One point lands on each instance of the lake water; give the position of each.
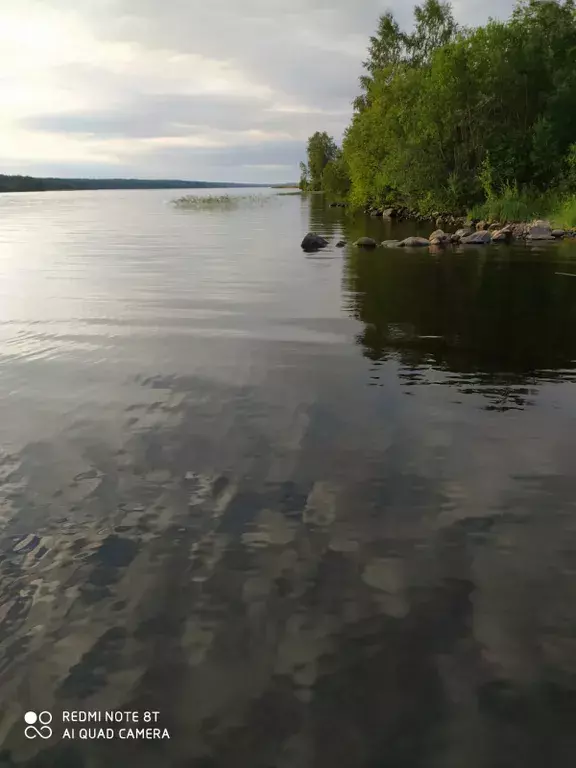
(315, 510)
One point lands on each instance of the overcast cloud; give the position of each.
(222, 90)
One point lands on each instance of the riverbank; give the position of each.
(501, 229)
(480, 233)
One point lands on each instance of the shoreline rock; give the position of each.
(470, 233)
(540, 230)
(442, 220)
(481, 237)
(366, 242)
(439, 237)
(414, 242)
(313, 242)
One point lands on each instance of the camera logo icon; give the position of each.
(43, 730)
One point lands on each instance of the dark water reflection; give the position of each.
(490, 321)
(315, 510)
(493, 323)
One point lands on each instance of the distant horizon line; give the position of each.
(142, 179)
(21, 183)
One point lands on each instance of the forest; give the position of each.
(468, 120)
(35, 184)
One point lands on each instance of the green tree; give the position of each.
(303, 184)
(435, 27)
(321, 150)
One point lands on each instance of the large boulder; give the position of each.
(481, 237)
(313, 242)
(464, 232)
(540, 230)
(366, 242)
(414, 242)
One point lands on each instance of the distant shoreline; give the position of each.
(56, 184)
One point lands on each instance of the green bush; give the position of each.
(565, 215)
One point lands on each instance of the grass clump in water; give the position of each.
(215, 202)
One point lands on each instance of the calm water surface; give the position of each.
(315, 510)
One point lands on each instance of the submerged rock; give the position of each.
(341, 244)
(482, 237)
(366, 242)
(414, 242)
(313, 242)
(390, 243)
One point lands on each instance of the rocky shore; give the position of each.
(503, 231)
(480, 233)
(468, 233)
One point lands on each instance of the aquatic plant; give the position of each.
(210, 202)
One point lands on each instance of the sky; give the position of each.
(217, 90)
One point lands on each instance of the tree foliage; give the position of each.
(335, 177)
(441, 106)
(320, 151)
